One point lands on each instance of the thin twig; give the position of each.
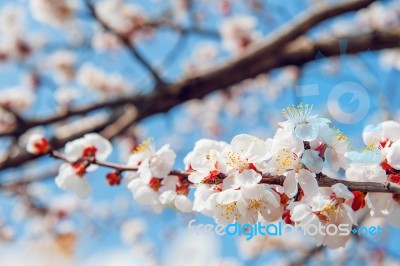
(323, 180)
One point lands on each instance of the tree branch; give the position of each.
(243, 64)
(323, 180)
(298, 53)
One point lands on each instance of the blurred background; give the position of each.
(69, 67)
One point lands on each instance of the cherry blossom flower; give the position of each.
(152, 163)
(38, 144)
(77, 152)
(244, 205)
(17, 98)
(290, 158)
(91, 145)
(70, 178)
(304, 125)
(205, 161)
(243, 157)
(381, 135)
(331, 145)
(62, 63)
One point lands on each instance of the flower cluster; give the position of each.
(124, 18)
(251, 178)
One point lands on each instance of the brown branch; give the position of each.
(323, 180)
(302, 24)
(297, 53)
(27, 177)
(181, 29)
(246, 66)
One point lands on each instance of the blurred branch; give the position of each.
(27, 177)
(245, 63)
(299, 26)
(168, 23)
(298, 52)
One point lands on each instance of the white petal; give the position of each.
(306, 132)
(228, 196)
(272, 197)
(144, 171)
(196, 177)
(393, 156)
(145, 195)
(67, 180)
(351, 214)
(342, 191)
(183, 203)
(134, 184)
(103, 146)
(331, 160)
(299, 212)
(290, 184)
(252, 147)
(308, 183)
(74, 150)
(248, 178)
(380, 203)
(391, 130)
(167, 196)
(312, 161)
(253, 192)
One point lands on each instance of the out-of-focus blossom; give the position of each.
(66, 95)
(63, 64)
(125, 18)
(238, 32)
(98, 80)
(132, 230)
(103, 41)
(54, 12)
(12, 20)
(17, 98)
